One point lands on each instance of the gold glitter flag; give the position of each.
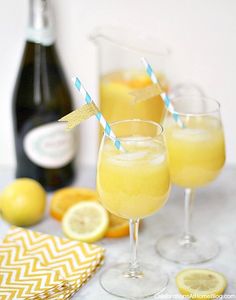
(77, 116)
(146, 93)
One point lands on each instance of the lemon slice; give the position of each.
(201, 283)
(86, 221)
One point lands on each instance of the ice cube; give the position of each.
(158, 159)
(131, 155)
(214, 123)
(191, 134)
(143, 142)
(135, 139)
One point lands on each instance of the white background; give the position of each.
(202, 35)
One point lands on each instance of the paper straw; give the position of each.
(99, 116)
(163, 95)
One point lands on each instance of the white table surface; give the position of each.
(214, 215)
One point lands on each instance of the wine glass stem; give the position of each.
(134, 270)
(189, 200)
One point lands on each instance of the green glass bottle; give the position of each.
(44, 150)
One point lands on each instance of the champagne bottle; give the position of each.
(44, 150)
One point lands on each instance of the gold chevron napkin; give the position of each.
(35, 265)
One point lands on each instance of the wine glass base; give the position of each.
(172, 247)
(114, 281)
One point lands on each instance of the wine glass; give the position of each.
(133, 184)
(196, 157)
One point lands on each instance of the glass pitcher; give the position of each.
(121, 72)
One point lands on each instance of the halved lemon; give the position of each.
(85, 221)
(64, 198)
(201, 283)
(118, 227)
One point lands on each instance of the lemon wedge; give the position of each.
(200, 283)
(86, 221)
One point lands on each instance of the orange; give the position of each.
(118, 227)
(139, 81)
(64, 198)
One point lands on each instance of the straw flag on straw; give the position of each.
(146, 93)
(88, 110)
(163, 95)
(77, 116)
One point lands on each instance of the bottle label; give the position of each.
(50, 146)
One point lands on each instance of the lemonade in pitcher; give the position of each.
(117, 103)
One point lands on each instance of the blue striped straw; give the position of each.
(99, 116)
(163, 95)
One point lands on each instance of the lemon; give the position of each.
(201, 283)
(23, 202)
(86, 221)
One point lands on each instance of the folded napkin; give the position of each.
(35, 265)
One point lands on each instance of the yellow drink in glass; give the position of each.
(135, 184)
(197, 152)
(116, 102)
(196, 156)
